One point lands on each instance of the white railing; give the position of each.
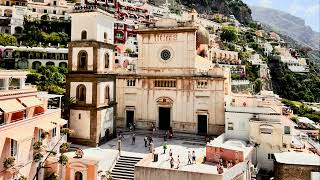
(235, 171)
(314, 144)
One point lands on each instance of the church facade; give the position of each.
(173, 87)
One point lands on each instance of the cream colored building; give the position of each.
(173, 86)
(90, 80)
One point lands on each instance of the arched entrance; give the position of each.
(164, 112)
(78, 176)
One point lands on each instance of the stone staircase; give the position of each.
(124, 168)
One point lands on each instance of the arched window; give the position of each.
(82, 60)
(107, 95)
(105, 36)
(81, 93)
(106, 60)
(78, 176)
(83, 35)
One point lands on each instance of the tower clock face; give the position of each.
(165, 54)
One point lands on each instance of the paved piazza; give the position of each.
(179, 147)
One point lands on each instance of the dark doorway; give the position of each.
(164, 118)
(130, 117)
(202, 124)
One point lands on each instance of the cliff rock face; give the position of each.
(288, 25)
(228, 7)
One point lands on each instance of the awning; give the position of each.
(59, 121)
(18, 136)
(46, 126)
(30, 101)
(11, 105)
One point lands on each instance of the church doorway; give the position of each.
(202, 124)
(130, 117)
(164, 118)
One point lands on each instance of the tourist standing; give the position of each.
(153, 129)
(170, 154)
(164, 147)
(133, 138)
(151, 147)
(193, 157)
(178, 162)
(134, 126)
(189, 157)
(145, 141)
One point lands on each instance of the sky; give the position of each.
(309, 10)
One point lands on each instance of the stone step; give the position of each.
(122, 177)
(128, 160)
(120, 171)
(128, 157)
(124, 166)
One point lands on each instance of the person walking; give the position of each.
(133, 138)
(145, 141)
(189, 157)
(151, 147)
(153, 129)
(164, 147)
(193, 157)
(178, 162)
(171, 162)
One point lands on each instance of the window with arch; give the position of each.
(82, 60)
(107, 94)
(106, 60)
(78, 176)
(83, 35)
(81, 93)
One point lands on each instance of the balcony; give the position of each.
(50, 113)
(13, 90)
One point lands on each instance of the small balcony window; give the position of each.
(13, 147)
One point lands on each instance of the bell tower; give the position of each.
(90, 81)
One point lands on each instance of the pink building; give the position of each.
(25, 121)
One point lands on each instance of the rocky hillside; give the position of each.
(288, 25)
(228, 7)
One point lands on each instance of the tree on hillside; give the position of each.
(229, 34)
(7, 39)
(51, 79)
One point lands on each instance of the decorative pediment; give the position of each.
(165, 101)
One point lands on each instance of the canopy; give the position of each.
(46, 126)
(11, 105)
(59, 121)
(30, 101)
(18, 136)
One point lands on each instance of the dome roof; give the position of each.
(202, 36)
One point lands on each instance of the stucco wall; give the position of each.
(143, 173)
(81, 126)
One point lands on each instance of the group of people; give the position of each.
(191, 159)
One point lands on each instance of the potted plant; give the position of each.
(65, 131)
(22, 178)
(64, 147)
(37, 157)
(9, 162)
(44, 135)
(37, 146)
(63, 159)
(52, 176)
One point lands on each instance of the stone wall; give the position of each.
(293, 172)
